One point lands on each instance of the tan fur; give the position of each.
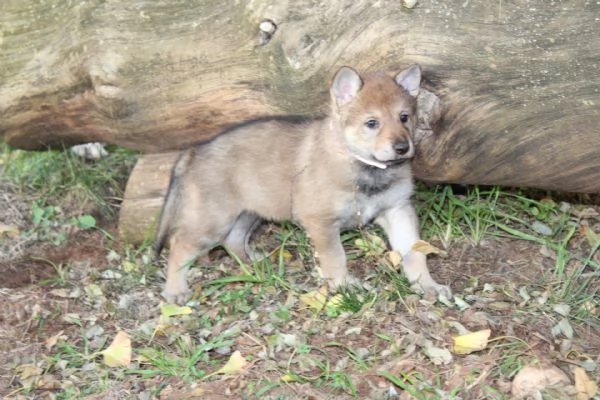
(316, 173)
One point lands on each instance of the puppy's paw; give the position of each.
(443, 290)
(176, 295)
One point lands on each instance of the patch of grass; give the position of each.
(574, 278)
(61, 176)
(421, 387)
(480, 214)
(448, 217)
(399, 286)
(61, 271)
(138, 262)
(295, 239)
(269, 270)
(353, 299)
(185, 362)
(511, 356)
(314, 364)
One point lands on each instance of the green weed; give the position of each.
(51, 225)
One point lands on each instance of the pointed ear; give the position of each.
(345, 86)
(410, 79)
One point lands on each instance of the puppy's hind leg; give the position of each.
(184, 250)
(238, 238)
(195, 238)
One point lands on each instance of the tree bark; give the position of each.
(518, 80)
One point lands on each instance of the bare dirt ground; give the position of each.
(34, 308)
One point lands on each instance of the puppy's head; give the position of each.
(376, 113)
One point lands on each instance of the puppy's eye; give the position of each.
(403, 118)
(372, 124)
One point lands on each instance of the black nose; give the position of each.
(401, 148)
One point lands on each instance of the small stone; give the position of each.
(362, 352)
(94, 330)
(224, 351)
(267, 329)
(541, 228)
(110, 274)
(562, 309)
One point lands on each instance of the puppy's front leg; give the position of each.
(402, 228)
(328, 246)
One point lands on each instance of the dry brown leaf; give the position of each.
(424, 247)
(592, 237)
(9, 230)
(26, 371)
(535, 378)
(51, 341)
(586, 388)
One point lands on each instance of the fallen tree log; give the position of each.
(518, 80)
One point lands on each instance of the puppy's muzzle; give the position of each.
(402, 148)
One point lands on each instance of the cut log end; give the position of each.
(144, 195)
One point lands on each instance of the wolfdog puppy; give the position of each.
(346, 170)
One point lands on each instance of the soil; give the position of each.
(32, 311)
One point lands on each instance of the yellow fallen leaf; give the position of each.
(371, 244)
(129, 266)
(315, 299)
(9, 230)
(289, 378)
(118, 354)
(51, 341)
(29, 375)
(467, 344)
(335, 301)
(286, 254)
(170, 310)
(424, 247)
(26, 371)
(395, 258)
(586, 388)
(236, 363)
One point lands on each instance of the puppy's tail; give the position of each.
(170, 207)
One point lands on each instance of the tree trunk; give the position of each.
(518, 80)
